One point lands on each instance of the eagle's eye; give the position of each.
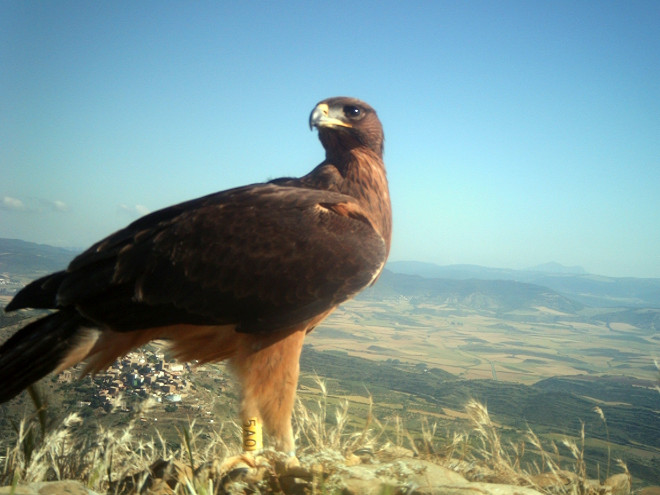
(352, 112)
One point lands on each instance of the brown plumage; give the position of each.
(242, 274)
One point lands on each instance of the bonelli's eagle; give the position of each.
(242, 274)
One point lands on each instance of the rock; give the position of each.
(429, 474)
(416, 477)
(476, 488)
(393, 452)
(48, 488)
(330, 472)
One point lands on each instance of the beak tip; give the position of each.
(318, 115)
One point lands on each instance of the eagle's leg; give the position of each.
(267, 368)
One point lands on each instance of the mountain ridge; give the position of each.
(27, 257)
(585, 288)
(500, 296)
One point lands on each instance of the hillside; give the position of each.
(21, 258)
(552, 407)
(405, 398)
(499, 296)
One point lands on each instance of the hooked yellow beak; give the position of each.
(323, 116)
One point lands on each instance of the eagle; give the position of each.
(240, 275)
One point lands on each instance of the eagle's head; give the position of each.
(345, 123)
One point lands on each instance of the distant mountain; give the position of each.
(431, 270)
(588, 289)
(456, 272)
(553, 267)
(499, 296)
(28, 258)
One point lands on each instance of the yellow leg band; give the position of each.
(252, 436)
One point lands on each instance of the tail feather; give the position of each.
(36, 350)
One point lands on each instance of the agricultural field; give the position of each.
(523, 347)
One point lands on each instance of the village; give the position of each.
(9, 285)
(139, 374)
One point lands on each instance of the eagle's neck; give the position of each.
(363, 177)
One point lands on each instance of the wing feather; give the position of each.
(263, 257)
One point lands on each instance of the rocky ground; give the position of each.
(393, 470)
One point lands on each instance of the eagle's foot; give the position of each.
(288, 474)
(244, 468)
(289, 465)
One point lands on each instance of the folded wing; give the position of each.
(263, 257)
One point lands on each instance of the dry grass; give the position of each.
(114, 461)
(548, 471)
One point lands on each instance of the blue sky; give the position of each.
(517, 133)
